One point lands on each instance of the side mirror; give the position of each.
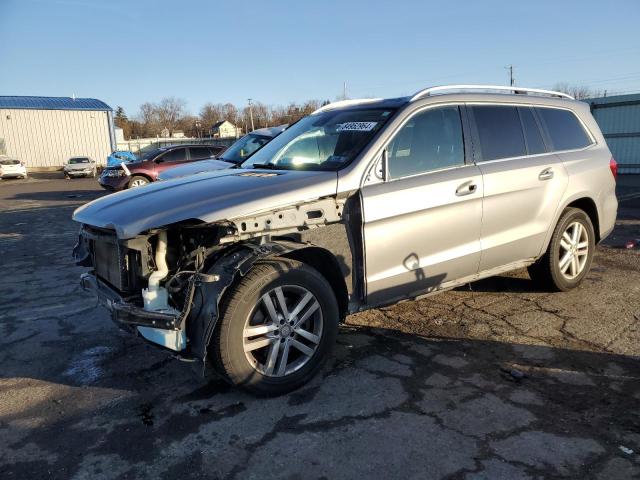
(382, 166)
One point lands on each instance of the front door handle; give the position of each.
(467, 188)
(546, 174)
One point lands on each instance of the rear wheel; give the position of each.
(277, 327)
(138, 181)
(568, 258)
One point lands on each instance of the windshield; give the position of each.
(78, 160)
(244, 148)
(326, 141)
(9, 162)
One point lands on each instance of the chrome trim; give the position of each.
(500, 88)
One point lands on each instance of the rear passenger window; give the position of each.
(499, 132)
(431, 140)
(198, 153)
(532, 134)
(564, 129)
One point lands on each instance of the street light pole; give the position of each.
(251, 113)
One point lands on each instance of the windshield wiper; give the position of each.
(267, 166)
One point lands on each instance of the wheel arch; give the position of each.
(584, 202)
(328, 266)
(144, 175)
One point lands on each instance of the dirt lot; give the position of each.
(494, 380)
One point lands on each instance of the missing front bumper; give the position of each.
(160, 328)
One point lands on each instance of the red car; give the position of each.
(149, 165)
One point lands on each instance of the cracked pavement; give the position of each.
(490, 381)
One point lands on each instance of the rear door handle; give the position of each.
(546, 174)
(467, 188)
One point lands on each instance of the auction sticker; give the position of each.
(356, 126)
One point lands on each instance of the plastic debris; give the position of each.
(626, 450)
(630, 244)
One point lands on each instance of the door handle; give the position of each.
(546, 174)
(467, 188)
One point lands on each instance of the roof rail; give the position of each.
(345, 103)
(429, 91)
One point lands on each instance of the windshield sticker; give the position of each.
(356, 126)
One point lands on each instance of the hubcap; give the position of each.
(283, 331)
(138, 183)
(574, 250)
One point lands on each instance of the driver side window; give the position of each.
(430, 140)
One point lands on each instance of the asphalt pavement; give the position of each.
(494, 380)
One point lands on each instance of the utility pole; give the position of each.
(512, 81)
(251, 113)
(344, 90)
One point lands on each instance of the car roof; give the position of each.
(487, 91)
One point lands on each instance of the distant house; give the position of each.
(177, 134)
(165, 133)
(225, 129)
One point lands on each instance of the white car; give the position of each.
(12, 168)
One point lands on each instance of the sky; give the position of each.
(127, 52)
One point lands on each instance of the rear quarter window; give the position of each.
(564, 129)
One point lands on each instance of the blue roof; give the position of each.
(53, 103)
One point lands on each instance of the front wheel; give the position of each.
(568, 258)
(277, 328)
(137, 181)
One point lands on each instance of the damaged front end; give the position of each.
(166, 284)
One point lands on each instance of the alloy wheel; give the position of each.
(574, 250)
(283, 331)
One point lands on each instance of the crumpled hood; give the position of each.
(209, 197)
(193, 168)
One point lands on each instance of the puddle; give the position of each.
(86, 368)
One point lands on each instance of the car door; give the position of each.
(422, 222)
(172, 158)
(523, 182)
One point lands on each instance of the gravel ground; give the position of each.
(494, 380)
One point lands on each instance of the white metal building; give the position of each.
(44, 132)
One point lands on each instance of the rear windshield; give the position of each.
(326, 141)
(9, 162)
(78, 160)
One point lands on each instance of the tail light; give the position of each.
(613, 165)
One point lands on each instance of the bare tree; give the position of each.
(579, 92)
(210, 114)
(170, 110)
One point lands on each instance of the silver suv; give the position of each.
(361, 204)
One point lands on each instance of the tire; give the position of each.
(137, 181)
(233, 349)
(552, 271)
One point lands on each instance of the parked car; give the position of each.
(147, 167)
(79, 167)
(361, 204)
(12, 168)
(234, 155)
(119, 156)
